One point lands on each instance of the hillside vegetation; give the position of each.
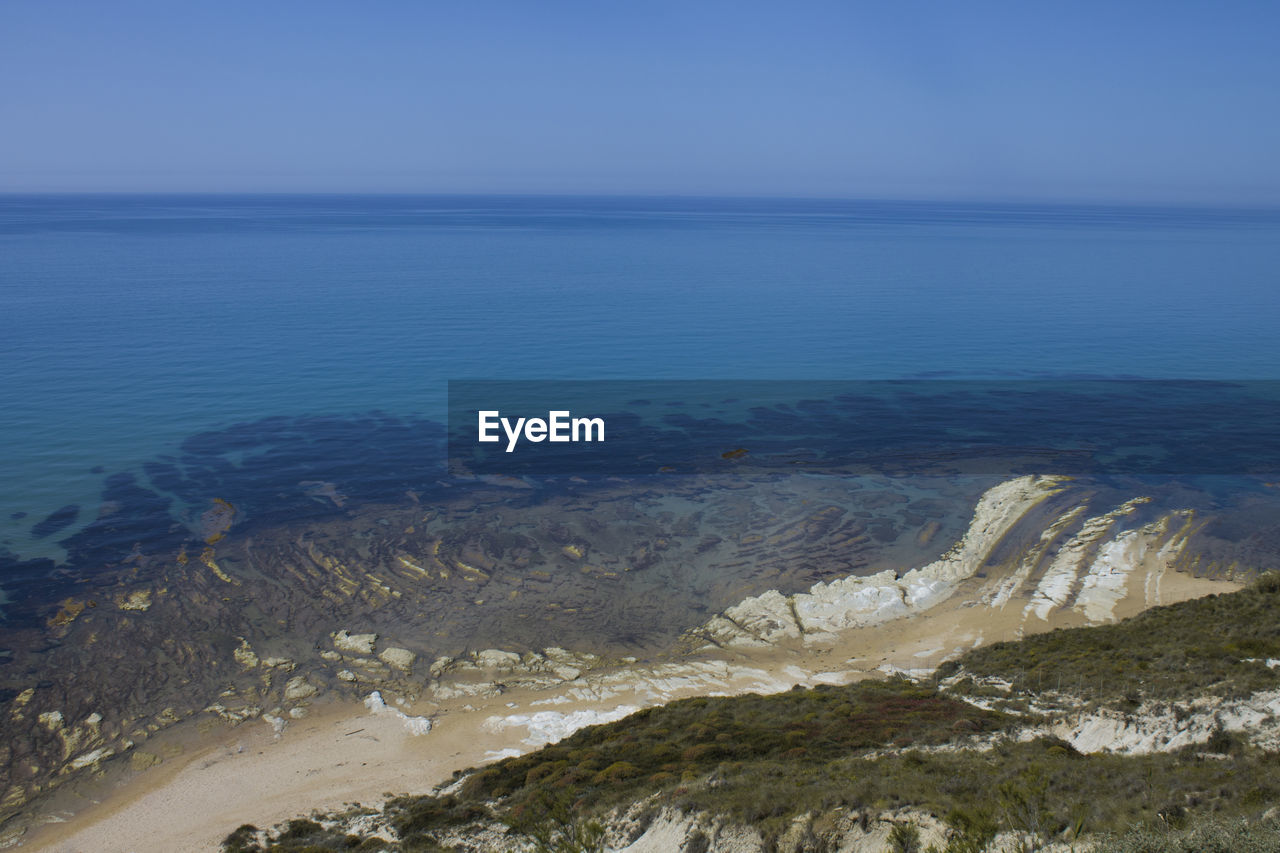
(1212, 646)
(874, 747)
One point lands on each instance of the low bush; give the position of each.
(1217, 645)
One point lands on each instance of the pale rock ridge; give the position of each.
(1059, 580)
(1008, 587)
(1107, 580)
(1168, 552)
(816, 616)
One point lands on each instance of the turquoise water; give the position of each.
(129, 324)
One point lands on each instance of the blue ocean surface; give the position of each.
(130, 325)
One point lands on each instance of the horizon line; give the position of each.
(657, 196)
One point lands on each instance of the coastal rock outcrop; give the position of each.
(828, 608)
(1166, 727)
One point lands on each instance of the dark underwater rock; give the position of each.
(59, 519)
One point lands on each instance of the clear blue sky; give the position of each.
(1139, 101)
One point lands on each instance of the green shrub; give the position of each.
(904, 838)
(971, 830)
(1208, 837)
(412, 816)
(1148, 656)
(243, 840)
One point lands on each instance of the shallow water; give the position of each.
(130, 325)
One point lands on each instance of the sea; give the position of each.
(140, 335)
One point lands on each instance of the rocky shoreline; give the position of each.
(980, 590)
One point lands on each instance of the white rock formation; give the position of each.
(1059, 581)
(550, 726)
(851, 602)
(1107, 580)
(414, 725)
(1153, 728)
(1031, 559)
